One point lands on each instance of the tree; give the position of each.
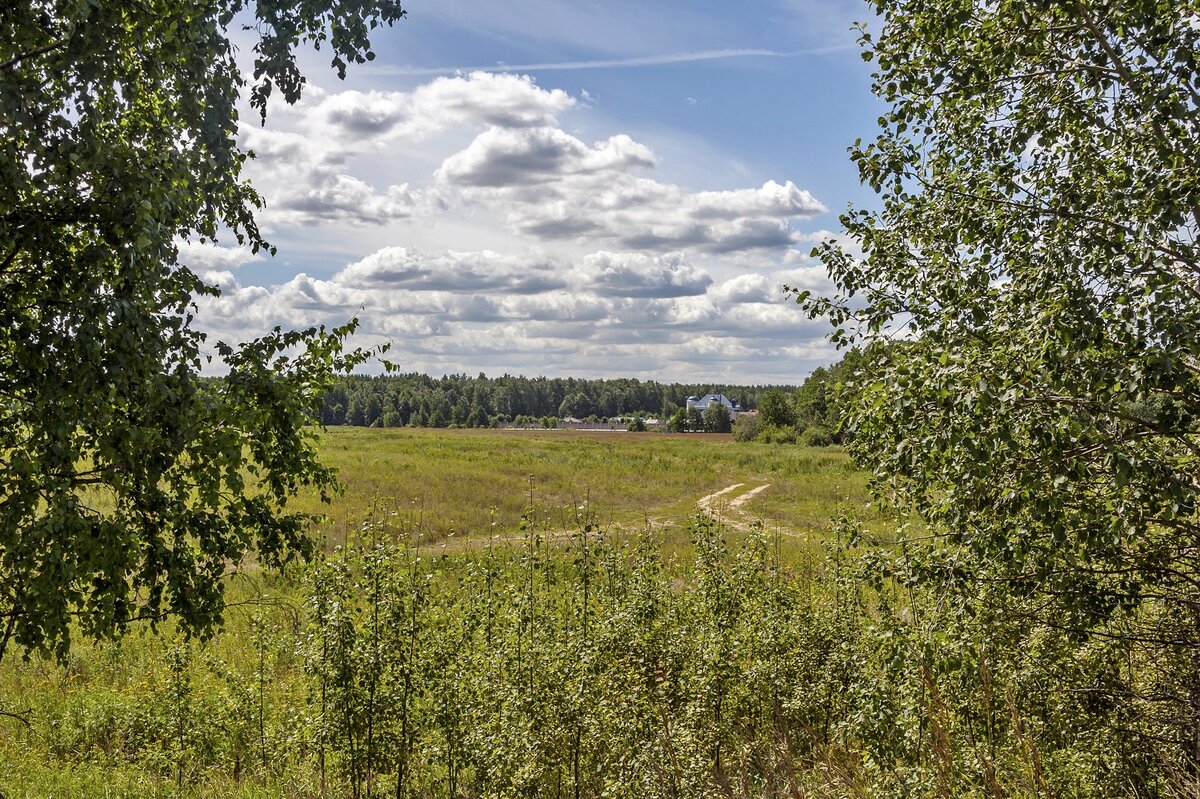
(123, 492)
(1035, 255)
(716, 418)
(776, 408)
(478, 417)
(576, 405)
(745, 428)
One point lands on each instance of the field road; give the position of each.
(732, 509)
(729, 507)
(706, 503)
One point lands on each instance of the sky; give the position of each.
(562, 188)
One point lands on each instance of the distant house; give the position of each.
(701, 403)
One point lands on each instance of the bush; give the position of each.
(745, 428)
(777, 434)
(817, 436)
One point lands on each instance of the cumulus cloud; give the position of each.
(304, 176)
(408, 268)
(480, 98)
(560, 331)
(326, 196)
(603, 295)
(304, 183)
(638, 275)
(675, 277)
(557, 187)
(500, 158)
(547, 184)
(748, 288)
(211, 257)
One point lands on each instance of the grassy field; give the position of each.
(477, 483)
(148, 716)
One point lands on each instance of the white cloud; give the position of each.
(333, 197)
(556, 187)
(541, 250)
(478, 99)
(305, 182)
(638, 275)
(305, 176)
(213, 257)
(748, 288)
(408, 268)
(643, 214)
(605, 299)
(545, 183)
(500, 158)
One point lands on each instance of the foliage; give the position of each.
(414, 399)
(577, 405)
(745, 427)
(1036, 243)
(124, 476)
(816, 436)
(716, 418)
(597, 666)
(776, 408)
(813, 413)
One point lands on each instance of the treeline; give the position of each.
(809, 415)
(419, 400)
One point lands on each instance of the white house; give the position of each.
(701, 403)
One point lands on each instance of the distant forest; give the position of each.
(423, 401)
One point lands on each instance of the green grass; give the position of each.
(98, 723)
(471, 483)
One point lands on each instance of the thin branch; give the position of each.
(22, 716)
(37, 51)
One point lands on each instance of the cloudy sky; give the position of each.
(563, 187)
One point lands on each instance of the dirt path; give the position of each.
(731, 510)
(737, 502)
(706, 503)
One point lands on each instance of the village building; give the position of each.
(701, 403)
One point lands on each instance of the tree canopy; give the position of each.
(716, 418)
(1034, 256)
(127, 484)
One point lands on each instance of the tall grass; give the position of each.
(476, 482)
(572, 658)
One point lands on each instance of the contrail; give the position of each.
(609, 63)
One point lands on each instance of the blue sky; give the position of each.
(622, 192)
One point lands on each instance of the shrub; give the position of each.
(816, 436)
(777, 434)
(745, 428)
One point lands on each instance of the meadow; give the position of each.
(155, 715)
(474, 484)
(556, 614)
